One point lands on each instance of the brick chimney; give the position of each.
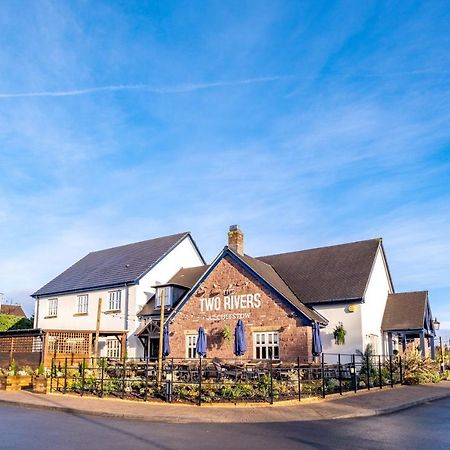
(236, 240)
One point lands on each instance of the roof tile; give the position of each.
(112, 266)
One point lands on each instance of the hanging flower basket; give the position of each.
(339, 334)
(226, 333)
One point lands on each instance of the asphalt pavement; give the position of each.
(420, 427)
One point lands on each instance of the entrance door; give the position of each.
(153, 348)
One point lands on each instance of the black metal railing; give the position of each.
(205, 380)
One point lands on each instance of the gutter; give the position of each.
(36, 313)
(334, 300)
(87, 289)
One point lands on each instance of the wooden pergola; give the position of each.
(24, 346)
(75, 345)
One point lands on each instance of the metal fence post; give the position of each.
(123, 377)
(368, 364)
(52, 370)
(299, 382)
(146, 381)
(340, 374)
(171, 381)
(200, 382)
(355, 379)
(65, 376)
(401, 369)
(102, 376)
(271, 383)
(323, 375)
(391, 379)
(83, 364)
(380, 378)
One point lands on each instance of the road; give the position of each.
(426, 426)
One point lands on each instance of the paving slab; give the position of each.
(363, 404)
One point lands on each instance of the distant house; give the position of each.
(12, 310)
(124, 278)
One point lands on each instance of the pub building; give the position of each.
(233, 287)
(288, 303)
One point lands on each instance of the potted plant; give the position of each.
(339, 334)
(40, 380)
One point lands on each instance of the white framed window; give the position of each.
(266, 345)
(82, 304)
(52, 307)
(112, 348)
(191, 343)
(167, 296)
(114, 303)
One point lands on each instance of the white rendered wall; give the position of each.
(68, 319)
(183, 255)
(375, 299)
(335, 313)
(364, 325)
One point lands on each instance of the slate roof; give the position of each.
(188, 277)
(405, 311)
(320, 275)
(113, 266)
(269, 274)
(12, 310)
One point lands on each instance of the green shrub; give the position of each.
(418, 370)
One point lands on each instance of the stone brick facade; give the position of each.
(271, 315)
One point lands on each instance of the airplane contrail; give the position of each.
(181, 88)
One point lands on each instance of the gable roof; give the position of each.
(187, 277)
(320, 275)
(113, 266)
(405, 311)
(194, 276)
(12, 310)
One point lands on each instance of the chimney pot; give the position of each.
(236, 240)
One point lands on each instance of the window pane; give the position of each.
(276, 354)
(266, 345)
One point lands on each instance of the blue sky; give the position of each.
(307, 123)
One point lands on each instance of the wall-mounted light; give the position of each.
(436, 324)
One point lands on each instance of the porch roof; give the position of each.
(407, 311)
(144, 327)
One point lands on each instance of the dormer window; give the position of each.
(167, 290)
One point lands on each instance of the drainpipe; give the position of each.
(36, 313)
(126, 307)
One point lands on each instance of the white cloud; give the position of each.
(176, 89)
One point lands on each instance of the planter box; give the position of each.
(17, 382)
(40, 384)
